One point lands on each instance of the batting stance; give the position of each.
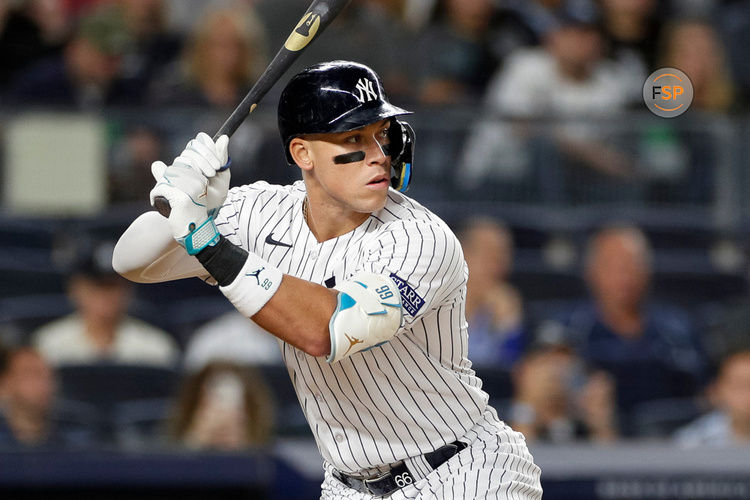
(364, 287)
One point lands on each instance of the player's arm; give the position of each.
(146, 252)
(424, 260)
(361, 314)
(357, 315)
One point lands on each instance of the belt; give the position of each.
(399, 475)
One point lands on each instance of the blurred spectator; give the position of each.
(184, 15)
(734, 27)
(567, 78)
(460, 51)
(693, 46)
(87, 74)
(30, 30)
(651, 351)
(729, 423)
(680, 163)
(729, 324)
(154, 45)
(234, 338)
(417, 13)
(353, 35)
(27, 410)
(27, 389)
(494, 308)
(130, 176)
(3, 356)
(224, 56)
(224, 406)
(99, 329)
(631, 31)
(77, 8)
(555, 402)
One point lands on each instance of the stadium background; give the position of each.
(76, 168)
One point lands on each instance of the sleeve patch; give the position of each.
(410, 300)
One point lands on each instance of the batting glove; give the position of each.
(211, 158)
(186, 189)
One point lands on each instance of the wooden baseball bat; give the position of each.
(315, 19)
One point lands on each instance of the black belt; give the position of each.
(399, 475)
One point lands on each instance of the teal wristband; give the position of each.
(205, 235)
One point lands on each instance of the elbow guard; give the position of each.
(368, 314)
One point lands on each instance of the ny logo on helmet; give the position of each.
(366, 92)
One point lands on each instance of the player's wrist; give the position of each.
(256, 282)
(223, 261)
(203, 236)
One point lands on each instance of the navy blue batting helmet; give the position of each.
(340, 96)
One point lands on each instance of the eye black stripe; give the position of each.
(349, 157)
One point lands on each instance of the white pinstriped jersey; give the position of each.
(409, 396)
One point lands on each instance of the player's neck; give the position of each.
(327, 221)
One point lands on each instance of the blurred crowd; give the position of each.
(614, 363)
(527, 61)
(507, 53)
(611, 361)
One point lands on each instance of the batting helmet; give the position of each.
(339, 96)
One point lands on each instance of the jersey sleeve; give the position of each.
(238, 218)
(228, 218)
(424, 260)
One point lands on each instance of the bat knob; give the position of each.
(161, 204)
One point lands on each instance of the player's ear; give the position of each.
(299, 148)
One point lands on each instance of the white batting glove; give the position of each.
(186, 189)
(211, 158)
(203, 154)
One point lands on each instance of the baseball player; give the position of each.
(364, 288)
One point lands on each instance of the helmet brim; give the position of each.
(363, 115)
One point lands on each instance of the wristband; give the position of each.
(223, 261)
(254, 286)
(205, 235)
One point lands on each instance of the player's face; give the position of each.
(352, 168)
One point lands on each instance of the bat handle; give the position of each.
(161, 204)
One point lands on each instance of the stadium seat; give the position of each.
(661, 417)
(28, 312)
(141, 423)
(76, 424)
(107, 386)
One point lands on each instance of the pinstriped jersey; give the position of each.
(409, 396)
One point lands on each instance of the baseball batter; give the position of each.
(364, 288)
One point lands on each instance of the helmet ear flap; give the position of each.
(401, 148)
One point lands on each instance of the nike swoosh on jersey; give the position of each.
(271, 241)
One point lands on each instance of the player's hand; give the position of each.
(211, 158)
(186, 189)
(218, 187)
(205, 155)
